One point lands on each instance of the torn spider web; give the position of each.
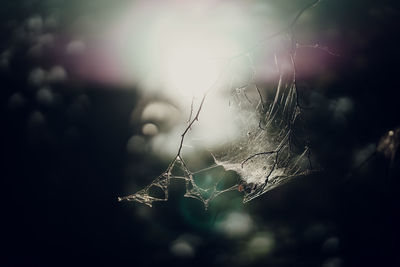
(263, 152)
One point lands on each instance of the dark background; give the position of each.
(61, 174)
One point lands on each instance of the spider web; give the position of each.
(263, 153)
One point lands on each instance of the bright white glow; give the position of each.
(178, 50)
(185, 54)
(188, 68)
(176, 47)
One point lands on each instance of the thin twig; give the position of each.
(258, 154)
(261, 98)
(320, 47)
(196, 118)
(191, 110)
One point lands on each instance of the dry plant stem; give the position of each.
(196, 118)
(191, 110)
